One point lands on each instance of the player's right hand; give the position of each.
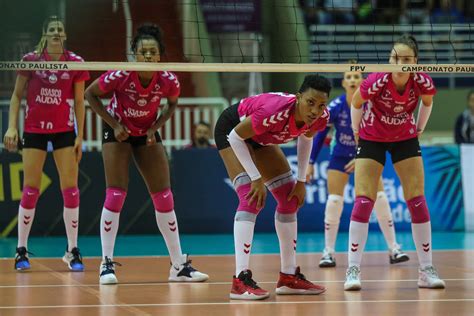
(258, 193)
(10, 140)
(121, 133)
(309, 173)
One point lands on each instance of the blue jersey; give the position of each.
(343, 144)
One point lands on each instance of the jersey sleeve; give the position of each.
(425, 84)
(79, 75)
(174, 87)
(110, 80)
(372, 85)
(28, 57)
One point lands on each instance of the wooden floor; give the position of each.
(387, 290)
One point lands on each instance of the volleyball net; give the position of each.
(253, 35)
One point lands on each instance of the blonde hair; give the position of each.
(42, 43)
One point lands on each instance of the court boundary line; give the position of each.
(165, 283)
(232, 254)
(238, 303)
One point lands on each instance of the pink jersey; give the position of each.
(133, 105)
(273, 118)
(50, 95)
(388, 115)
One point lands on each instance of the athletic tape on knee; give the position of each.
(163, 201)
(71, 197)
(285, 218)
(362, 209)
(333, 211)
(382, 207)
(418, 210)
(114, 199)
(243, 216)
(29, 197)
(280, 189)
(242, 185)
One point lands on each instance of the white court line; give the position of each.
(238, 303)
(201, 283)
(232, 254)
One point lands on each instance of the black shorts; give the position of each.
(398, 150)
(40, 141)
(225, 124)
(108, 136)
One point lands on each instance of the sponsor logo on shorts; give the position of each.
(65, 76)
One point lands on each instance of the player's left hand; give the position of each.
(419, 132)
(150, 137)
(299, 191)
(78, 149)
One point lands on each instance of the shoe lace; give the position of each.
(431, 271)
(109, 264)
(21, 253)
(188, 266)
(352, 272)
(77, 255)
(247, 280)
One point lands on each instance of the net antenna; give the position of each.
(128, 25)
(255, 78)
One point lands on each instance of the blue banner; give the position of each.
(206, 201)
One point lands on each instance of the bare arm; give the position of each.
(424, 113)
(93, 94)
(10, 139)
(15, 101)
(165, 115)
(79, 108)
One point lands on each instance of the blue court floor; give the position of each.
(149, 245)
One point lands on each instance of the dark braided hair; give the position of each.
(148, 31)
(316, 82)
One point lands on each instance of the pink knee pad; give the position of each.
(114, 199)
(418, 210)
(362, 209)
(163, 201)
(71, 197)
(280, 194)
(242, 191)
(29, 197)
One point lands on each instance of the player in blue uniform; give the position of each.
(341, 165)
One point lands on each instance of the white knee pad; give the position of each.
(382, 207)
(334, 206)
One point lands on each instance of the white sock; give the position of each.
(332, 216)
(286, 227)
(422, 238)
(25, 221)
(384, 217)
(357, 238)
(243, 237)
(109, 224)
(71, 221)
(168, 226)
